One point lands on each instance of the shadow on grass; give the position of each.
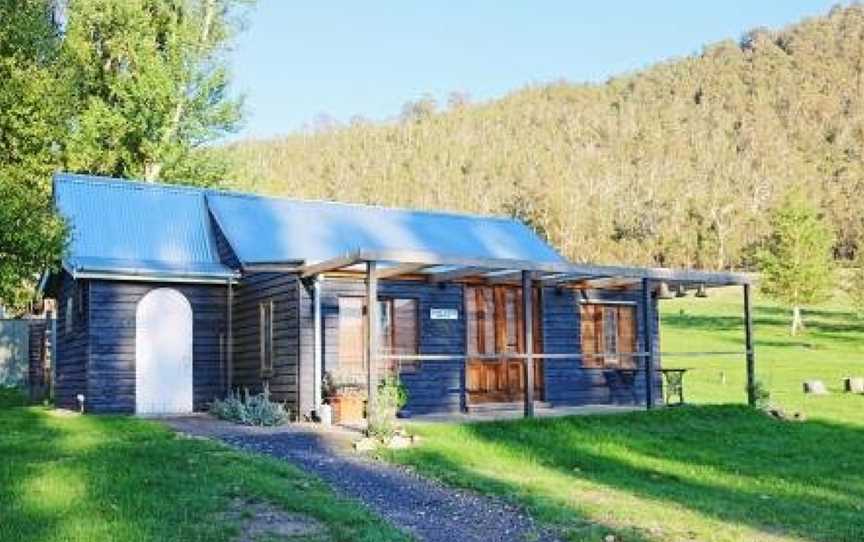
(121, 478)
(842, 331)
(728, 463)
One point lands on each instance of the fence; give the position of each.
(26, 348)
(14, 352)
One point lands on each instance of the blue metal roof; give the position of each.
(122, 227)
(135, 228)
(267, 230)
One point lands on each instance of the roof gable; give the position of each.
(136, 228)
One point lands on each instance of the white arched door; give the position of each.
(163, 353)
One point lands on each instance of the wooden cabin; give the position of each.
(169, 296)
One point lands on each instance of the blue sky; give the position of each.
(299, 60)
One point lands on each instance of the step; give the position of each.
(503, 407)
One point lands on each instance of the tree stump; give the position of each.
(815, 387)
(853, 384)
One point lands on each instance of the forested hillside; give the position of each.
(675, 165)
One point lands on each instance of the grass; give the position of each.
(718, 471)
(831, 348)
(83, 478)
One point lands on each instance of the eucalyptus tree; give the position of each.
(31, 120)
(150, 81)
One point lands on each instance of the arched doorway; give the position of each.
(163, 353)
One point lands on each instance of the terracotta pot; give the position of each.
(347, 408)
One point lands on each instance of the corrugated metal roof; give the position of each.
(137, 228)
(267, 230)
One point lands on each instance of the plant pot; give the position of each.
(347, 408)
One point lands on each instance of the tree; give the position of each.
(854, 285)
(150, 82)
(31, 113)
(131, 88)
(796, 262)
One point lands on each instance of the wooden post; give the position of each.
(229, 339)
(648, 343)
(748, 345)
(528, 323)
(371, 333)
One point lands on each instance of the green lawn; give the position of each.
(89, 478)
(718, 471)
(832, 348)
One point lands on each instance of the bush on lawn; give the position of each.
(391, 396)
(249, 409)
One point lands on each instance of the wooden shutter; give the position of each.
(627, 335)
(592, 332)
(351, 336)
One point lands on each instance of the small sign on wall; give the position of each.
(443, 314)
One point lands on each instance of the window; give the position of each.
(351, 355)
(80, 301)
(399, 332)
(265, 311)
(397, 327)
(70, 314)
(608, 335)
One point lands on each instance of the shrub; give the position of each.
(249, 409)
(390, 398)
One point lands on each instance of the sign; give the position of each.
(443, 314)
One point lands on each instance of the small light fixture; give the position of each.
(702, 291)
(680, 291)
(663, 291)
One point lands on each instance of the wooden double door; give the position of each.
(495, 321)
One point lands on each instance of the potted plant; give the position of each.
(345, 397)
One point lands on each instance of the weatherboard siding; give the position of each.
(72, 349)
(437, 385)
(111, 366)
(566, 381)
(252, 290)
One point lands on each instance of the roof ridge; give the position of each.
(132, 184)
(138, 184)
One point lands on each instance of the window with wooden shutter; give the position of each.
(398, 330)
(265, 312)
(608, 335)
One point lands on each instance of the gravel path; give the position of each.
(424, 508)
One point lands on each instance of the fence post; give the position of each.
(748, 345)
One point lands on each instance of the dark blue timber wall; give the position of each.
(72, 346)
(283, 289)
(437, 385)
(566, 381)
(110, 368)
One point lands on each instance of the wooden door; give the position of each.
(495, 328)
